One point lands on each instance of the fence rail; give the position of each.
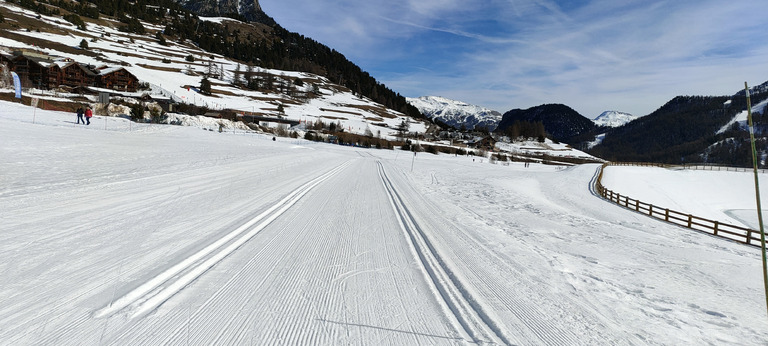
(691, 166)
(737, 233)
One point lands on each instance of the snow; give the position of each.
(613, 118)
(548, 147)
(742, 117)
(116, 233)
(598, 139)
(725, 196)
(456, 113)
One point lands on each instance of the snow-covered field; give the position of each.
(716, 195)
(177, 235)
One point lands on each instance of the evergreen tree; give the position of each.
(205, 86)
(238, 77)
(402, 129)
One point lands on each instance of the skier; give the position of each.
(80, 115)
(88, 115)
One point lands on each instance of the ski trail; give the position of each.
(474, 324)
(153, 293)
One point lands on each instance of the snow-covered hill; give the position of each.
(614, 118)
(456, 113)
(142, 234)
(174, 70)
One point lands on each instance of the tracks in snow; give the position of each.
(154, 292)
(471, 320)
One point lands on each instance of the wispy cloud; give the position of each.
(593, 55)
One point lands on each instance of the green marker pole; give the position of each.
(757, 192)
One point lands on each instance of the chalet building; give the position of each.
(55, 76)
(37, 70)
(33, 72)
(78, 75)
(117, 78)
(486, 143)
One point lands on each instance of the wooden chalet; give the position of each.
(77, 75)
(117, 78)
(486, 143)
(33, 72)
(55, 75)
(37, 70)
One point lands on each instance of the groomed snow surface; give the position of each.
(148, 235)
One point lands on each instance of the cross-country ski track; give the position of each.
(174, 236)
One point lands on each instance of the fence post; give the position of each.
(749, 236)
(690, 219)
(666, 215)
(650, 209)
(618, 198)
(717, 224)
(637, 205)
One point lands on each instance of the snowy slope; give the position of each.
(548, 147)
(613, 118)
(165, 67)
(741, 117)
(163, 234)
(456, 113)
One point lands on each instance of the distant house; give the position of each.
(33, 72)
(75, 74)
(117, 78)
(38, 70)
(486, 143)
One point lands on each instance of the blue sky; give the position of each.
(630, 56)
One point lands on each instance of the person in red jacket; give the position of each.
(88, 115)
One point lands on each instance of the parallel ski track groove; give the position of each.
(157, 290)
(472, 320)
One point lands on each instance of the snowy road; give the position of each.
(170, 235)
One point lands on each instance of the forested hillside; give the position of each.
(685, 130)
(255, 44)
(561, 123)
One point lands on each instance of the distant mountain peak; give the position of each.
(614, 118)
(456, 113)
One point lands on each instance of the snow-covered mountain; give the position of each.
(456, 113)
(614, 118)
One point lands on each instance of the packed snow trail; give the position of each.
(315, 275)
(204, 259)
(473, 322)
(451, 251)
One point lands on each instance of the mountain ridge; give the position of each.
(456, 114)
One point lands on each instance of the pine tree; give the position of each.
(205, 86)
(402, 129)
(238, 79)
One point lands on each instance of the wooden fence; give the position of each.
(691, 166)
(740, 234)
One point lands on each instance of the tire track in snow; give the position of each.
(472, 321)
(153, 293)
